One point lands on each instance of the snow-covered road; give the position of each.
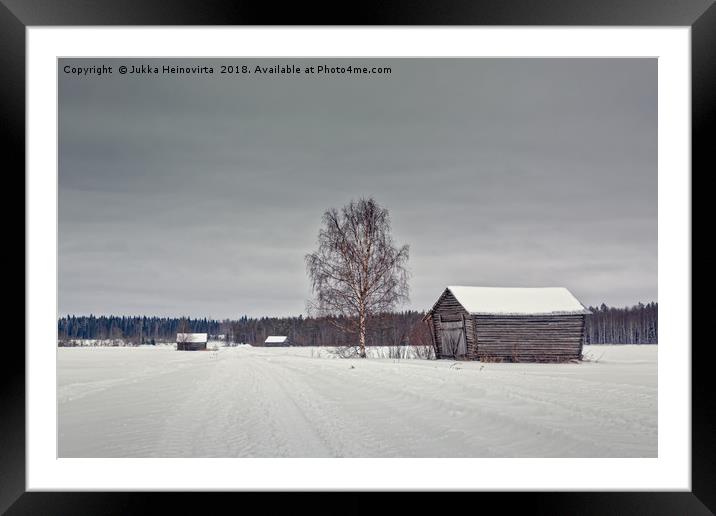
(291, 402)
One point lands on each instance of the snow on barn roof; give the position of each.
(517, 301)
(191, 337)
(275, 339)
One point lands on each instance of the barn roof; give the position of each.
(516, 301)
(275, 339)
(191, 337)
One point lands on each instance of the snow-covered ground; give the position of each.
(304, 402)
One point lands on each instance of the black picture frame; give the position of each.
(17, 15)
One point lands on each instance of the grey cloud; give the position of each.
(202, 195)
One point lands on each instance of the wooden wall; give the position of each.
(529, 338)
(191, 346)
(276, 344)
(448, 308)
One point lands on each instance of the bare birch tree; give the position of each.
(357, 271)
(183, 334)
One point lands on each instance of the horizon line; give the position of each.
(212, 318)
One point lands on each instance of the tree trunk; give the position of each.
(361, 333)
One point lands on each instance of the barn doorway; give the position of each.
(452, 337)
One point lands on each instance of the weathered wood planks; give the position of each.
(510, 338)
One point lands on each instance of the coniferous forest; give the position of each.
(606, 325)
(632, 325)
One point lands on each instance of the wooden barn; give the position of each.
(508, 324)
(276, 341)
(191, 341)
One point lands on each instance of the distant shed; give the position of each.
(191, 341)
(276, 341)
(508, 324)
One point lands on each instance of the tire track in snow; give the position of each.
(289, 413)
(493, 412)
(377, 421)
(216, 419)
(256, 402)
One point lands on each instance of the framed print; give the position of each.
(424, 252)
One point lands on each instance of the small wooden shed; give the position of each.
(276, 341)
(508, 324)
(191, 341)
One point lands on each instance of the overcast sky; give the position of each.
(201, 195)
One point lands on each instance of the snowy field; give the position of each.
(304, 402)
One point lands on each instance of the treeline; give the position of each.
(606, 325)
(392, 329)
(637, 324)
(137, 330)
(388, 329)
